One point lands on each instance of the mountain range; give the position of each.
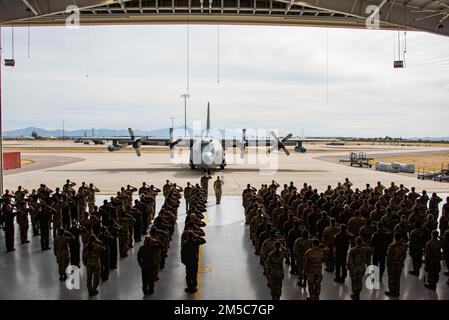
(26, 132)
(162, 133)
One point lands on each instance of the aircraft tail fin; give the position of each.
(208, 117)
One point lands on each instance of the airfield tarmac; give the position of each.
(111, 170)
(229, 267)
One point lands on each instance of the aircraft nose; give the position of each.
(208, 158)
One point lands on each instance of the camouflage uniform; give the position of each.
(274, 266)
(416, 248)
(188, 196)
(34, 210)
(313, 259)
(267, 247)
(204, 181)
(218, 191)
(61, 251)
(299, 249)
(396, 254)
(91, 259)
(328, 240)
(125, 223)
(57, 215)
(390, 221)
(91, 198)
(433, 262)
(357, 267)
(166, 189)
(22, 220)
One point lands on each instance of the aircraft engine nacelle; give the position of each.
(113, 147)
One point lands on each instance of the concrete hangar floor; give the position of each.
(229, 269)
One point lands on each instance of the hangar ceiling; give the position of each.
(425, 15)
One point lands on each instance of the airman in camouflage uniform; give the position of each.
(204, 181)
(274, 266)
(125, 222)
(300, 247)
(166, 188)
(268, 246)
(313, 260)
(91, 259)
(397, 251)
(433, 261)
(91, 196)
(218, 190)
(61, 251)
(22, 221)
(188, 195)
(357, 267)
(416, 248)
(328, 240)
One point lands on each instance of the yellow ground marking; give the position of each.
(25, 162)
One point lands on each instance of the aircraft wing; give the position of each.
(273, 143)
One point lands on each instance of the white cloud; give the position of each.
(270, 77)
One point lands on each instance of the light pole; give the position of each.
(172, 121)
(63, 130)
(185, 96)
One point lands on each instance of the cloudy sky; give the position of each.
(269, 77)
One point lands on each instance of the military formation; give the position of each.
(97, 236)
(348, 230)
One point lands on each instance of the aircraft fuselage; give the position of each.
(207, 153)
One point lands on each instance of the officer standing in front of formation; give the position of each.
(190, 257)
(91, 259)
(204, 181)
(217, 188)
(274, 268)
(146, 256)
(61, 250)
(313, 260)
(188, 195)
(357, 267)
(166, 188)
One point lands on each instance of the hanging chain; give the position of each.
(405, 30)
(187, 53)
(12, 42)
(29, 31)
(218, 53)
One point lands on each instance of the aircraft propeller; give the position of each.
(279, 144)
(243, 144)
(173, 143)
(136, 143)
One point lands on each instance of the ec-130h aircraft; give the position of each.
(206, 151)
